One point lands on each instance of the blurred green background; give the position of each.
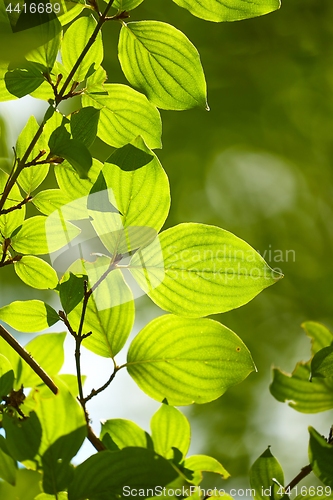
(259, 164)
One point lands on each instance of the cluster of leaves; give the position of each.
(309, 389)
(116, 210)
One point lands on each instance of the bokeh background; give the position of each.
(258, 164)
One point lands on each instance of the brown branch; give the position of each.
(94, 392)
(28, 359)
(26, 200)
(8, 262)
(305, 471)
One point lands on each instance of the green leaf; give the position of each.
(23, 437)
(48, 351)
(25, 79)
(301, 394)
(13, 358)
(4, 94)
(118, 433)
(50, 38)
(84, 125)
(142, 195)
(203, 463)
(10, 221)
(40, 235)
(108, 475)
(126, 4)
(75, 40)
(71, 184)
(8, 466)
(196, 270)
(29, 315)
(31, 177)
(263, 471)
(49, 200)
(110, 311)
(158, 60)
(70, 9)
(60, 496)
(6, 376)
(187, 361)
(27, 486)
(36, 273)
(320, 335)
(76, 153)
(321, 457)
(322, 363)
(170, 429)
(228, 10)
(71, 292)
(125, 114)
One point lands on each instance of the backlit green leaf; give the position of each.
(126, 4)
(70, 9)
(203, 463)
(48, 351)
(263, 471)
(118, 433)
(320, 335)
(49, 200)
(60, 496)
(76, 153)
(110, 311)
(26, 488)
(50, 36)
(160, 61)
(39, 235)
(75, 40)
(201, 270)
(170, 429)
(301, 394)
(321, 457)
(5, 95)
(8, 467)
(228, 10)
(187, 361)
(36, 273)
(6, 376)
(29, 315)
(71, 184)
(104, 475)
(125, 114)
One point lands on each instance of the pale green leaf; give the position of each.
(4, 94)
(110, 311)
(31, 177)
(201, 270)
(50, 38)
(170, 429)
(69, 10)
(228, 10)
(49, 200)
(263, 472)
(6, 376)
(203, 463)
(40, 235)
(8, 466)
(62, 495)
(109, 474)
(125, 114)
(75, 40)
(36, 273)
(158, 60)
(141, 195)
(301, 394)
(29, 315)
(187, 360)
(321, 457)
(320, 335)
(27, 486)
(118, 433)
(48, 351)
(10, 221)
(12, 356)
(71, 184)
(126, 4)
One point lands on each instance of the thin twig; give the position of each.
(28, 359)
(94, 392)
(305, 471)
(26, 200)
